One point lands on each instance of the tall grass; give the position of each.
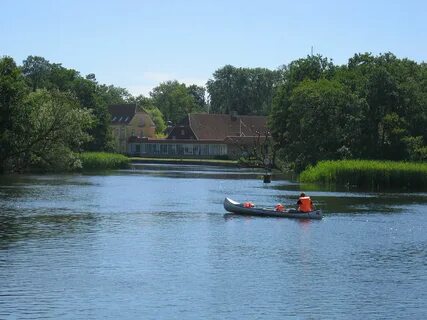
(103, 161)
(367, 173)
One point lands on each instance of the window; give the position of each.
(164, 148)
(172, 149)
(188, 149)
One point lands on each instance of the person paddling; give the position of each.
(304, 203)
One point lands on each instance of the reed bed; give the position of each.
(103, 161)
(368, 173)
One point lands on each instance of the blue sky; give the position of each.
(138, 44)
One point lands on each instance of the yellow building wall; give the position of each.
(141, 125)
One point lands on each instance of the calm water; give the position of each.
(155, 243)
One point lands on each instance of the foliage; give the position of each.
(147, 105)
(55, 127)
(157, 117)
(364, 173)
(243, 90)
(12, 94)
(372, 108)
(41, 74)
(175, 100)
(103, 161)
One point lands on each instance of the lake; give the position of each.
(156, 243)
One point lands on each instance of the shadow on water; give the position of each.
(339, 199)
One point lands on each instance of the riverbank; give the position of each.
(368, 173)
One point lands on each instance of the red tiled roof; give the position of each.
(220, 126)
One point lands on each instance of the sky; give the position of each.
(139, 44)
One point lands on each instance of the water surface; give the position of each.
(155, 243)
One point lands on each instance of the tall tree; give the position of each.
(12, 94)
(323, 121)
(55, 127)
(244, 90)
(174, 100)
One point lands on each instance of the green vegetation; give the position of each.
(243, 90)
(372, 107)
(103, 161)
(365, 173)
(175, 100)
(49, 113)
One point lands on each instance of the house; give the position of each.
(206, 136)
(126, 122)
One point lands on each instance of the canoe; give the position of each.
(238, 208)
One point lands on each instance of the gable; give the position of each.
(142, 119)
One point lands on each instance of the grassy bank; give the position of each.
(103, 161)
(366, 173)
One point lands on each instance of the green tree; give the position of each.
(310, 68)
(199, 95)
(395, 92)
(12, 94)
(174, 100)
(244, 90)
(55, 128)
(323, 121)
(146, 104)
(36, 70)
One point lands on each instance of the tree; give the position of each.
(323, 121)
(395, 91)
(244, 90)
(54, 127)
(378, 105)
(199, 95)
(174, 100)
(36, 70)
(12, 93)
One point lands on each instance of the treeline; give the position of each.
(373, 107)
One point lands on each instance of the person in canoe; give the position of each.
(304, 203)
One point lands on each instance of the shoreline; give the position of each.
(211, 162)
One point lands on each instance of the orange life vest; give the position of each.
(305, 204)
(248, 205)
(279, 207)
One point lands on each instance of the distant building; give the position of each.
(205, 136)
(127, 122)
